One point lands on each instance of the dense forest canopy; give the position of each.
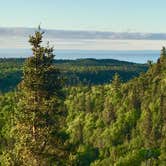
(44, 122)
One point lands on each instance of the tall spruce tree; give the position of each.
(39, 136)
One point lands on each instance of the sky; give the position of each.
(144, 16)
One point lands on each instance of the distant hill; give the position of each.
(76, 72)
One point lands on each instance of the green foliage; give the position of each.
(124, 121)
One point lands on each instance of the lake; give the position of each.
(131, 56)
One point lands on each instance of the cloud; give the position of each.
(71, 34)
(70, 39)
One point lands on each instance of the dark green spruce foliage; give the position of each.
(39, 117)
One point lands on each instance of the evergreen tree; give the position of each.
(116, 82)
(163, 52)
(39, 136)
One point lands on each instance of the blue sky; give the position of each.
(103, 15)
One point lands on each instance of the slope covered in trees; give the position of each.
(121, 124)
(76, 72)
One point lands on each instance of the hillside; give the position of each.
(114, 124)
(120, 124)
(75, 72)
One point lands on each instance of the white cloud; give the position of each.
(91, 40)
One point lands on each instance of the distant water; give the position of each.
(131, 56)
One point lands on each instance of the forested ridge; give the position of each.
(75, 72)
(43, 122)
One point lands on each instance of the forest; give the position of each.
(83, 112)
(75, 72)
